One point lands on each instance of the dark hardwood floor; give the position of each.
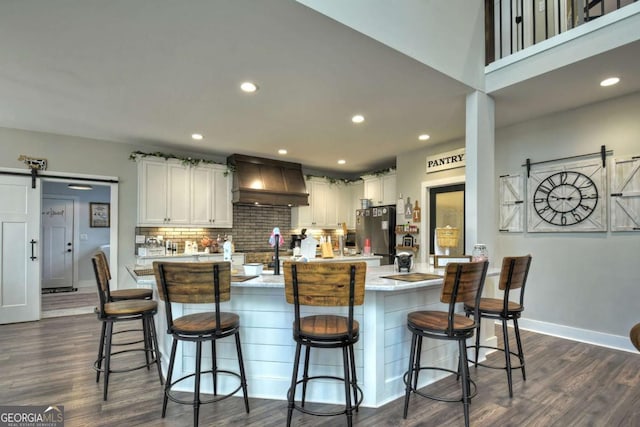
(568, 384)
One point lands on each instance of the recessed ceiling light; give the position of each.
(282, 151)
(610, 81)
(358, 118)
(424, 137)
(342, 162)
(80, 186)
(197, 136)
(248, 87)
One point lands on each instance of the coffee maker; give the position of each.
(296, 239)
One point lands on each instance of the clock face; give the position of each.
(565, 198)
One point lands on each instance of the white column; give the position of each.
(480, 194)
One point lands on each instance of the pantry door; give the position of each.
(19, 249)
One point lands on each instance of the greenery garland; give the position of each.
(192, 161)
(332, 180)
(186, 161)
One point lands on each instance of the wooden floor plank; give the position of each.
(569, 384)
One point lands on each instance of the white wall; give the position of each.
(578, 280)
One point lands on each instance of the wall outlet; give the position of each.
(140, 238)
(542, 5)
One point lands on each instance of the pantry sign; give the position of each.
(443, 161)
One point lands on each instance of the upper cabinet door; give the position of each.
(152, 192)
(179, 194)
(373, 190)
(202, 196)
(211, 197)
(222, 206)
(625, 194)
(381, 190)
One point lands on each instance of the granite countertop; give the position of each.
(375, 281)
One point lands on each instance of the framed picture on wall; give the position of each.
(99, 214)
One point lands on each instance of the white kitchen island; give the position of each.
(268, 346)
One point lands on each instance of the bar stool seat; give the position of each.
(125, 294)
(496, 306)
(205, 323)
(326, 327)
(129, 307)
(110, 312)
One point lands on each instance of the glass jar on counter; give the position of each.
(480, 252)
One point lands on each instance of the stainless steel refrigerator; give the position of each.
(378, 225)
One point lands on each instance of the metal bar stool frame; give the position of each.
(121, 295)
(343, 339)
(461, 281)
(513, 275)
(110, 312)
(172, 276)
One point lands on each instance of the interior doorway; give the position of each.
(446, 210)
(69, 239)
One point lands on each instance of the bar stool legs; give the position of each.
(105, 351)
(353, 394)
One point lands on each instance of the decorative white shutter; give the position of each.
(625, 194)
(511, 203)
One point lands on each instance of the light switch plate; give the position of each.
(84, 237)
(139, 238)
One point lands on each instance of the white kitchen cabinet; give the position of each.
(324, 210)
(381, 190)
(211, 197)
(163, 193)
(172, 194)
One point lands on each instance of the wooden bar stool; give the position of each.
(110, 312)
(120, 295)
(513, 275)
(329, 285)
(199, 283)
(462, 282)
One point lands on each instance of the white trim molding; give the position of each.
(616, 342)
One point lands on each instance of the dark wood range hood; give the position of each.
(267, 182)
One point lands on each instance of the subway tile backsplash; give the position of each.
(252, 227)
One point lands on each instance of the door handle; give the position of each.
(69, 250)
(33, 257)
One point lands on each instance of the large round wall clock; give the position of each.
(567, 198)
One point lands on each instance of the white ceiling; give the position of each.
(153, 72)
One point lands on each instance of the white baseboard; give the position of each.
(616, 342)
(86, 284)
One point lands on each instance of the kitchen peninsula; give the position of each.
(268, 347)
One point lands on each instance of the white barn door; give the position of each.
(19, 249)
